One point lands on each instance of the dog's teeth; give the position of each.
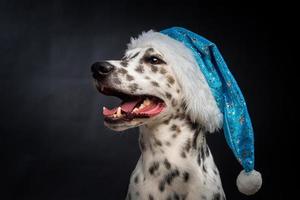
(147, 102)
(115, 115)
(135, 110)
(119, 112)
(141, 106)
(104, 108)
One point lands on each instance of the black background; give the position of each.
(53, 142)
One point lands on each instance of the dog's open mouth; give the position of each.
(132, 106)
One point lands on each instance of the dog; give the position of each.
(165, 95)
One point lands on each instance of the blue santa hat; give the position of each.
(237, 125)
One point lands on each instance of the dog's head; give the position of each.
(155, 79)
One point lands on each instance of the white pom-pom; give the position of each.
(249, 182)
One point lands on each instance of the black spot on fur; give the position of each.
(215, 172)
(203, 197)
(183, 155)
(202, 152)
(140, 69)
(181, 116)
(124, 63)
(176, 128)
(154, 83)
(173, 127)
(157, 142)
(117, 81)
(136, 179)
(133, 87)
(168, 120)
(168, 143)
(206, 151)
(170, 176)
(195, 139)
(161, 185)
(122, 71)
(204, 168)
(186, 176)
(129, 77)
(217, 196)
(135, 55)
(199, 159)
(147, 77)
(151, 197)
(187, 146)
(193, 126)
(153, 167)
(115, 74)
(183, 196)
(177, 90)
(170, 79)
(168, 95)
(183, 105)
(176, 196)
(167, 164)
(154, 68)
(162, 70)
(149, 50)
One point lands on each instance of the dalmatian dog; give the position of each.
(163, 93)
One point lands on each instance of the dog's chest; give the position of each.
(158, 180)
(163, 180)
(179, 179)
(175, 164)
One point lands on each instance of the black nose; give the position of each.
(101, 69)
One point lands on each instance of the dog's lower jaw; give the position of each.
(175, 163)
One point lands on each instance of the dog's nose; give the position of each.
(101, 69)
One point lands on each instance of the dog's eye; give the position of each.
(154, 60)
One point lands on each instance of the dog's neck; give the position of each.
(175, 162)
(176, 139)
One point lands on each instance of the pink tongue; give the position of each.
(129, 106)
(126, 107)
(108, 112)
(152, 109)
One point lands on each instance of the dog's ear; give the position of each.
(199, 101)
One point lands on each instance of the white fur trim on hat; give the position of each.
(249, 182)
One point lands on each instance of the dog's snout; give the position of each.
(101, 69)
